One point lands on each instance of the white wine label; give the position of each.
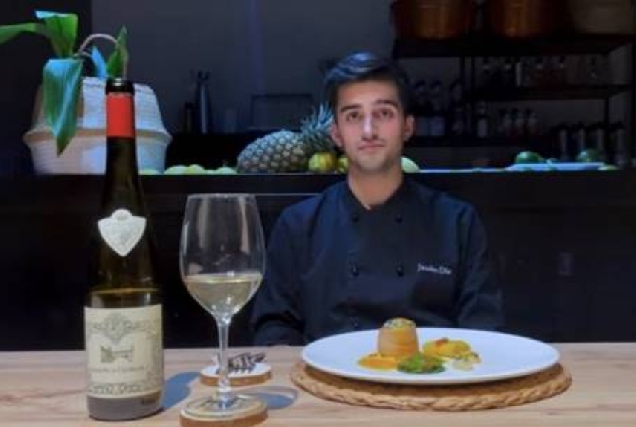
(124, 351)
(122, 231)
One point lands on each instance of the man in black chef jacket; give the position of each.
(379, 245)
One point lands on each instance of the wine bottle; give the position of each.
(123, 315)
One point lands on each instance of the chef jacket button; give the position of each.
(400, 270)
(355, 324)
(354, 270)
(355, 217)
(398, 218)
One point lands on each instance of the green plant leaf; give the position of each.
(61, 84)
(99, 64)
(62, 30)
(118, 60)
(7, 32)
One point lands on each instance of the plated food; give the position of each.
(398, 349)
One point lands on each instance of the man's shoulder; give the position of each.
(440, 202)
(303, 211)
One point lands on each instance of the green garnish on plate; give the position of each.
(421, 364)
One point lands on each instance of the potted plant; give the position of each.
(69, 105)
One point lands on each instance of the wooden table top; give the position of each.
(47, 389)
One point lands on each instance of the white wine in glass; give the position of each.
(222, 261)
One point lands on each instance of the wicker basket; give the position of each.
(86, 152)
(526, 18)
(602, 16)
(431, 19)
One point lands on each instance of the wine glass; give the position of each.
(222, 261)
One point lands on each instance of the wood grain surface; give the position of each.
(47, 389)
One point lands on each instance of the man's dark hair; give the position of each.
(362, 67)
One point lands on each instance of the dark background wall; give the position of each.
(250, 47)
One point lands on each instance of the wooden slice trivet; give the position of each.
(464, 397)
(254, 416)
(261, 373)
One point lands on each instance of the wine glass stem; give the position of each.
(224, 390)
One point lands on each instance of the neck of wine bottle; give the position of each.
(123, 321)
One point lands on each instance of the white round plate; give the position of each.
(502, 356)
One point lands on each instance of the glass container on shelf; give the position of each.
(456, 110)
(579, 138)
(619, 145)
(437, 122)
(596, 139)
(562, 137)
(593, 70)
(532, 123)
(482, 121)
(423, 109)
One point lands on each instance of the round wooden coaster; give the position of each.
(496, 394)
(261, 373)
(255, 414)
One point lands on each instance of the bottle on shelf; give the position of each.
(539, 72)
(203, 105)
(579, 137)
(482, 124)
(619, 145)
(596, 139)
(563, 138)
(456, 110)
(504, 128)
(486, 75)
(518, 123)
(187, 125)
(437, 121)
(527, 78)
(423, 109)
(519, 73)
(122, 314)
(559, 72)
(497, 77)
(508, 73)
(532, 123)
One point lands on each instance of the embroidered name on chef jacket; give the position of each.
(435, 269)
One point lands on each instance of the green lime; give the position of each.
(589, 155)
(175, 170)
(409, 166)
(607, 167)
(225, 170)
(528, 157)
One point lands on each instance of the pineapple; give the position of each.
(287, 151)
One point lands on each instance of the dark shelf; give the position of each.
(477, 46)
(210, 151)
(552, 93)
(538, 142)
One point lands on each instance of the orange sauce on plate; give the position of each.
(378, 361)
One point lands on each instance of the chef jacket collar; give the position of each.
(395, 205)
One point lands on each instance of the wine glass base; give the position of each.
(244, 411)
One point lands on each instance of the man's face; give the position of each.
(370, 126)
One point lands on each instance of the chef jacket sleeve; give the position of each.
(276, 316)
(479, 303)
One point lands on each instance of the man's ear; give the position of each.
(335, 134)
(409, 127)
